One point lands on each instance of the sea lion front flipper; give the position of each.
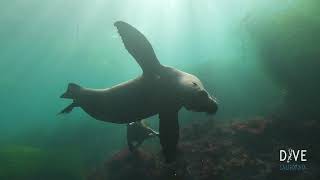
(169, 134)
(139, 47)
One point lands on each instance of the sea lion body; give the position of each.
(159, 90)
(138, 98)
(124, 103)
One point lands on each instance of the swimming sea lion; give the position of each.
(137, 132)
(159, 90)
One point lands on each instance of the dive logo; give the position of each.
(292, 160)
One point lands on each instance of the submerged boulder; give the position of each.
(126, 165)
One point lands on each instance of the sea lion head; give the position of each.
(198, 99)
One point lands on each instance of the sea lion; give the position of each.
(137, 132)
(159, 90)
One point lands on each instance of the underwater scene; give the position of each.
(159, 89)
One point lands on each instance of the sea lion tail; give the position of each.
(71, 91)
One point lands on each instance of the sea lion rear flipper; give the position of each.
(68, 109)
(71, 91)
(169, 134)
(139, 47)
(151, 132)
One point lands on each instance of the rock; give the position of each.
(241, 150)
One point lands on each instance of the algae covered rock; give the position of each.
(245, 150)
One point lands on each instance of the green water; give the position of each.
(250, 54)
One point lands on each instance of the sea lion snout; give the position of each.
(201, 101)
(212, 106)
(209, 106)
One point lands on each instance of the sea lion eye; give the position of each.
(195, 84)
